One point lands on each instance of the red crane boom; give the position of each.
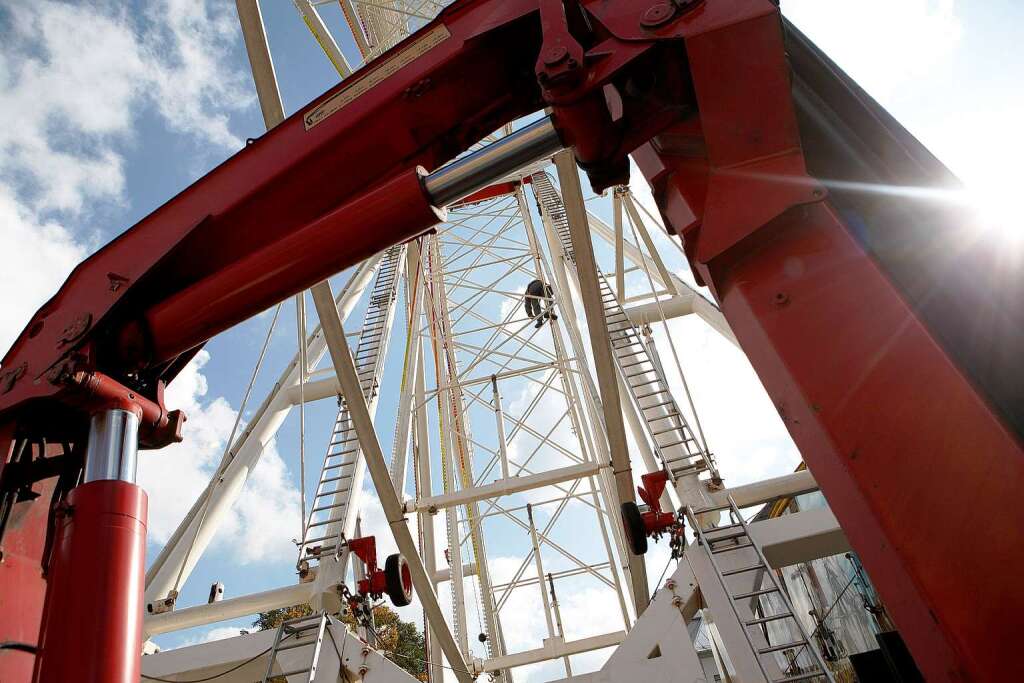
(883, 328)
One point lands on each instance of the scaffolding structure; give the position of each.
(514, 429)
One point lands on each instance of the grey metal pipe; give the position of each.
(113, 446)
(479, 169)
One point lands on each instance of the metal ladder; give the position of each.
(679, 451)
(305, 631)
(677, 447)
(735, 536)
(341, 473)
(551, 202)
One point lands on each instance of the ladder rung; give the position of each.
(675, 428)
(770, 617)
(657, 405)
(292, 673)
(293, 646)
(310, 541)
(783, 646)
(713, 508)
(743, 570)
(697, 467)
(754, 594)
(648, 394)
(724, 537)
(729, 548)
(337, 478)
(331, 507)
(326, 521)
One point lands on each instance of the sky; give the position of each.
(110, 109)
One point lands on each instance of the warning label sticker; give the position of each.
(390, 66)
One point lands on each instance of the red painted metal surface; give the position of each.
(22, 587)
(388, 214)
(914, 463)
(92, 623)
(489, 192)
(655, 520)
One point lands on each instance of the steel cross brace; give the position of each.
(341, 357)
(576, 213)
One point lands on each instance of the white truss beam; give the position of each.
(554, 648)
(572, 197)
(183, 550)
(341, 357)
(504, 487)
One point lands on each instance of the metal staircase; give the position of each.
(551, 204)
(677, 447)
(734, 536)
(302, 632)
(332, 513)
(679, 451)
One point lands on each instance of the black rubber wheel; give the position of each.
(636, 533)
(398, 580)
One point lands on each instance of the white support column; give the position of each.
(684, 302)
(342, 359)
(203, 520)
(410, 368)
(323, 36)
(540, 572)
(592, 404)
(424, 486)
(262, 65)
(618, 242)
(230, 608)
(460, 434)
(572, 198)
(668, 280)
(443, 415)
(499, 419)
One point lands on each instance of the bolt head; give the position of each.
(553, 55)
(657, 14)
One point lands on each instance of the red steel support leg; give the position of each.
(92, 620)
(917, 466)
(918, 469)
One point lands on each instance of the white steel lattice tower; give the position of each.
(509, 398)
(502, 450)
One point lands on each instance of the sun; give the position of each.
(993, 201)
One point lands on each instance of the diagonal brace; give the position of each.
(341, 356)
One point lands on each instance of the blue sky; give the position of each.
(109, 111)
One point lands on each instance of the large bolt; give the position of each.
(657, 14)
(555, 54)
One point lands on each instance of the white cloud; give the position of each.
(74, 80)
(265, 517)
(40, 256)
(912, 37)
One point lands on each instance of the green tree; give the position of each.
(400, 641)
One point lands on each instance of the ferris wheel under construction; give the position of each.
(504, 353)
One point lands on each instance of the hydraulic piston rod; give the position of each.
(479, 169)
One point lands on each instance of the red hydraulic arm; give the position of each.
(856, 310)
